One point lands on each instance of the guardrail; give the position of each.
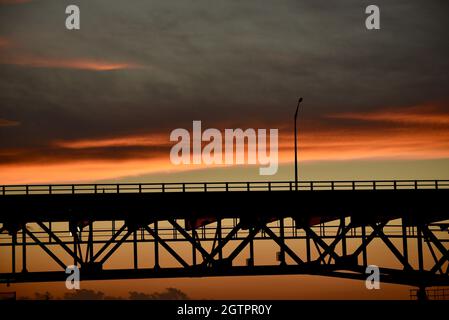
(222, 186)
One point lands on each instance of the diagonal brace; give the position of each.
(48, 251)
(58, 241)
(282, 244)
(189, 238)
(167, 247)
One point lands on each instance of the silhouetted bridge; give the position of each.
(329, 228)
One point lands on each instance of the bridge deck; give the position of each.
(222, 186)
(417, 200)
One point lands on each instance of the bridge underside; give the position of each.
(198, 234)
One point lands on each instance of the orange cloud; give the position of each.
(426, 114)
(128, 141)
(79, 171)
(95, 159)
(418, 132)
(8, 123)
(390, 143)
(81, 64)
(4, 42)
(325, 145)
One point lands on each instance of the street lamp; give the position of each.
(296, 146)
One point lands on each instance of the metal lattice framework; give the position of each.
(324, 228)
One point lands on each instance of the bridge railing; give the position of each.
(222, 186)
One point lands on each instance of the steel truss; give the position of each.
(339, 247)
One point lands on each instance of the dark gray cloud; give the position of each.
(217, 61)
(54, 154)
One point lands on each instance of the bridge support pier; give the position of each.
(422, 294)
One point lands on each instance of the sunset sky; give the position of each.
(99, 103)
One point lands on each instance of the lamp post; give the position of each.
(296, 145)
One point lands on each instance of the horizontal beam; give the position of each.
(357, 273)
(221, 186)
(417, 206)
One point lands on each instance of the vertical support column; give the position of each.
(13, 249)
(156, 246)
(343, 240)
(113, 227)
(404, 240)
(220, 252)
(135, 248)
(91, 241)
(364, 256)
(193, 249)
(75, 248)
(308, 253)
(420, 251)
(24, 249)
(251, 252)
(174, 232)
(281, 233)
